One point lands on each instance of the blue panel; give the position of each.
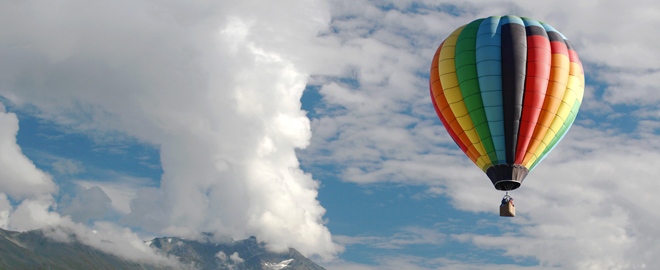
(489, 70)
(529, 22)
(492, 83)
(501, 139)
(490, 26)
(489, 52)
(494, 116)
(500, 151)
(499, 129)
(511, 19)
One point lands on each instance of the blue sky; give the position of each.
(308, 124)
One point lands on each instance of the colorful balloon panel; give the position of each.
(507, 89)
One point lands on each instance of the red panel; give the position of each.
(536, 83)
(559, 47)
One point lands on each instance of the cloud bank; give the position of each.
(216, 87)
(586, 207)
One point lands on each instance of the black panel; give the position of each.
(535, 30)
(507, 177)
(554, 36)
(514, 66)
(569, 46)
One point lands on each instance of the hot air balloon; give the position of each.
(507, 89)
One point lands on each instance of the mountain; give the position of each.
(34, 250)
(246, 254)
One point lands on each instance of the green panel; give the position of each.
(466, 72)
(468, 79)
(488, 142)
(467, 56)
(475, 109)
(469, 86)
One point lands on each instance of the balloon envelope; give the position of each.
(507, 89)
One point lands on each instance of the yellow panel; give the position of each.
(464, 121)
(451, 39)
(562, 113)
(453, 93)
(580, 90)
(449, 48)
(570, 97)
(459, 109)
(481, 148)
(483, 163)
(576, 82)
(472, 134)
(480, 164)
(533, 157)
(446, 66)
(573, 83)
(471, 152)
(546, 141)
(446, 54)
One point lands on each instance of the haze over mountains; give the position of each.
(35, 250)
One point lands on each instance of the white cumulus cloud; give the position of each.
(215, 86)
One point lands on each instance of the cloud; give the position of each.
(89, 203)
(586, 207)
(32, 190)
(215, 86)
(425, 263)
(406, 237)
(19, 177)
(234, 258)
(109, 238)
(67, 166)
(119, 188)
(5, 209)
(33, 214)
(589, 207)
(36, 214)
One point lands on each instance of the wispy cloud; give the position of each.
(405, 237)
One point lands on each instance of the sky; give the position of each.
(308, 124)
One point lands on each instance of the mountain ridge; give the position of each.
(35, 250)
